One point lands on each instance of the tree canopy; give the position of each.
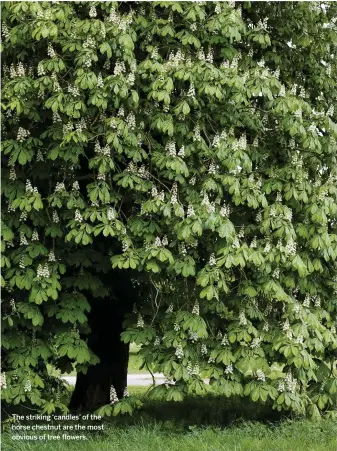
(191, 145)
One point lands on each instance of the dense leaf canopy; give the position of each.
(193, 143)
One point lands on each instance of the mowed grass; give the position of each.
(205, 423)
(135, 361)
(290, 436)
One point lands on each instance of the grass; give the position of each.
(135, 361)
(290, 436)
(205, 423)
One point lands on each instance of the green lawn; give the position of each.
(198, 424)
(249, 436)
(135, 361)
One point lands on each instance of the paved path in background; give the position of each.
(133, 379)
(139, 380)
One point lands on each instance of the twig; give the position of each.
(152, 375)
(155, 301)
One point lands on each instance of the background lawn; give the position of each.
(135, 361)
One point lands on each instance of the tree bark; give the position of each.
(93, 388)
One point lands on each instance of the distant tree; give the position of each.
(169, 177)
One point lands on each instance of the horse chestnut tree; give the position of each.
(169, 178)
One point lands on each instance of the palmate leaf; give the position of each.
(129, 260)
(104, 411)
(48, 407)
(126, 406)
(32, 312)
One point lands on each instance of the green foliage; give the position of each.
(196, 144)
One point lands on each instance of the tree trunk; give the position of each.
(92, 389)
